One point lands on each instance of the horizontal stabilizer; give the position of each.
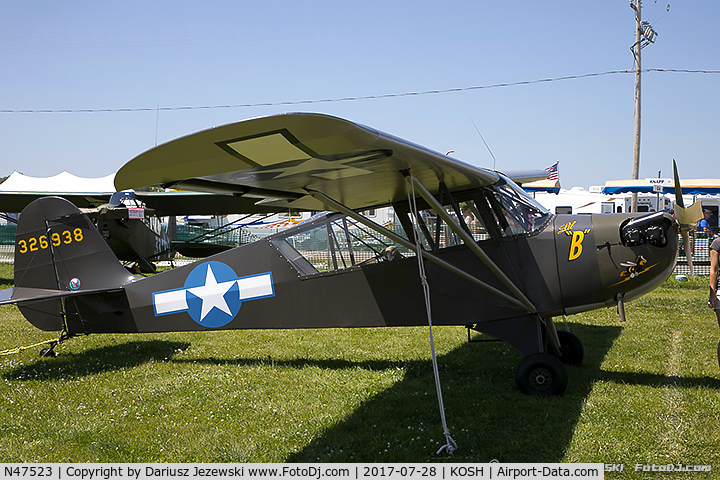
(29, 294)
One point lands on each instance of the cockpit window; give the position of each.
(511, 209)
(330, 243)
(466, 217)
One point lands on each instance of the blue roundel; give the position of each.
(212, 294)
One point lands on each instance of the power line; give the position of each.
(368, 97)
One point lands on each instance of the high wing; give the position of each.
(277, 160)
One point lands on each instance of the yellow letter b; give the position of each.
(576, 245)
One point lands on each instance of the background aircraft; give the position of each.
(129, 221)
(469, 244)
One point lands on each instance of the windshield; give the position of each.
(515, 212)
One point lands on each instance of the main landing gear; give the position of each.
(546, 350)
(545, 374)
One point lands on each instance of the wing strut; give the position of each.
(527, 306)
(472, 245)
(451, 445)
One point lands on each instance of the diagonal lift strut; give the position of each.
(520, 301)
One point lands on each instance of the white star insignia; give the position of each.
(212, 294)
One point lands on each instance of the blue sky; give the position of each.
(79, 55)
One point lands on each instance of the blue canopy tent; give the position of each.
(689, 187)
(551, 186)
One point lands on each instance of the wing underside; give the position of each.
(277, 160)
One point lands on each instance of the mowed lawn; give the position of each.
(648, 392)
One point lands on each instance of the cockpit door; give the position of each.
(577, 258)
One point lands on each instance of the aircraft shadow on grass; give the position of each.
(98, 360)
(486, 413)
(657, 380)
(325, 363)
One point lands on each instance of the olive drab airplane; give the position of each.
(495, 261)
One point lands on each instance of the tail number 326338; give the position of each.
(33, 244)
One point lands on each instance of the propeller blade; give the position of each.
(688, 253)
(687, 217)
(678, 189)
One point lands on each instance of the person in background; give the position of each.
(714, 301)
(704, 224)
(468, 216)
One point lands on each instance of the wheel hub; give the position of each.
(541, 379)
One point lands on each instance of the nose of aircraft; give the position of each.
(644, 257)
(604, 256)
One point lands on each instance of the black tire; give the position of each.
(541, 374)
(47, 352)
(572, 351)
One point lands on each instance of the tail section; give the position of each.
(58, 248)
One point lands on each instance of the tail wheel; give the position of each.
(541, 374)
(571, 348)
(47, 352)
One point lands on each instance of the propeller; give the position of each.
(686, 217)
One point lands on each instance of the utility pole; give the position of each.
(644, 35)
(636, 145)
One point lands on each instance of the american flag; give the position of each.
(552, 170)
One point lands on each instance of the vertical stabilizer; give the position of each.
(57, 247)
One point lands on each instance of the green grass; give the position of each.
(648, 392)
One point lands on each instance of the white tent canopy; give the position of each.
(61, 183)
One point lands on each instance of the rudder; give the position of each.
(57, 247)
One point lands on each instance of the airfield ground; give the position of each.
(647, 393)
